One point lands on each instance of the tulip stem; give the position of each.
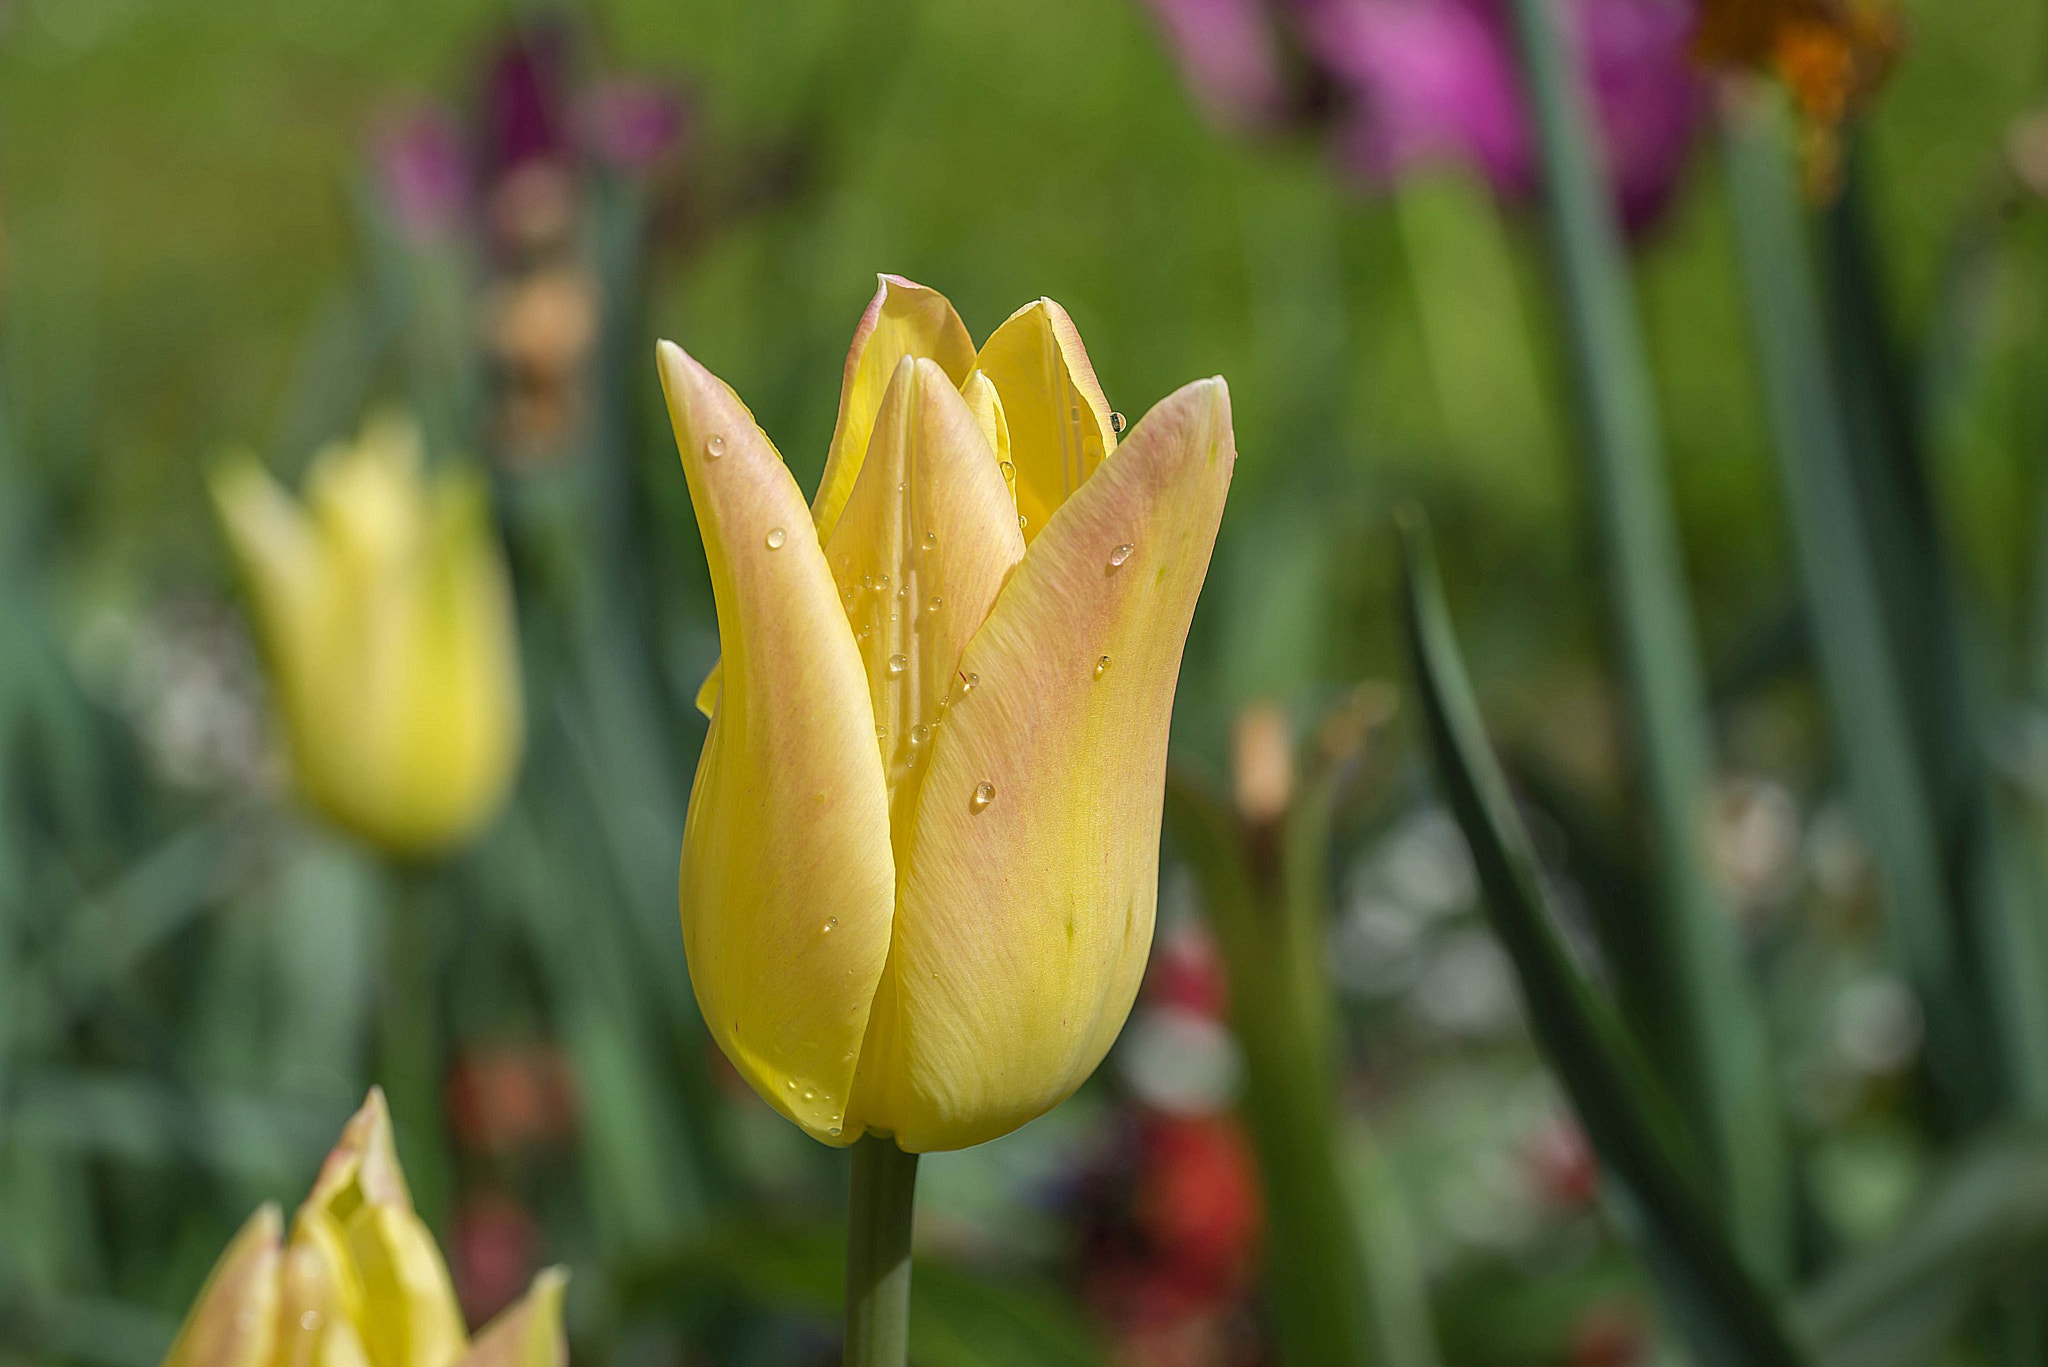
(878, 1253)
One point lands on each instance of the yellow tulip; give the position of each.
(921, 858)
(358, 1284)
(386, 620)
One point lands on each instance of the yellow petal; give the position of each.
(987, 406)
(1058, 419)
(362, 1167)
(529, 1333)
(279, 555)
(787, 885)
(925, 541)
(1027, 904)
(903, 319)
(233, 1323)
(317, 1323)
(409, 1315)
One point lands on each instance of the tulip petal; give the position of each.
(903, 319)
(787, 885)
(1058, 418)
(279, 555)
(529, 1333)
(410, 1317)
(987, 406)
(919, 554)
(317, 1326)
(1027, 903)
(233, 1323)
(362, 1168)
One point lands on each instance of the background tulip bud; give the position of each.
(920, 864)
(387, 622)
(359, 1281)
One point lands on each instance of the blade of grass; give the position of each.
(1721, 1052)
(1625, 1113)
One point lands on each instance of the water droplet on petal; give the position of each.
(931, 540)
(776, 536)
(867, 581)
(881, 581)
(1118, 423)
(714, 446)
(830, 921)
(867, 629)
(920, 734)
(897, 664)
(969, 684)
(933, 606)
(834, 1132)
(1102, 666)
(1121, 554)
(1022, 522)
(310, 1321)
(881, 731)
(1009, 470)
(810, 1095)
(984, 793)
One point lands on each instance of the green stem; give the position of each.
(878, 1254)
(409, 1043)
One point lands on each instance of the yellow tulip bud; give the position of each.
(359, 1284)
(921, 858)
(387, 624)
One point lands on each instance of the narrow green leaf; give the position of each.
(1720, 1054)
(1626, 1116)
(1888, 775)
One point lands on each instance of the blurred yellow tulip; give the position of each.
(921, 858)
(387, 623)
(358, 1284)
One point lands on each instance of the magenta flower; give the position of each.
(1421, 83)
(422, 168)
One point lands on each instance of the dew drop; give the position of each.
(1022, 522)
(310, 1321)
(881, 731)
(867, 629)
(931, 541)
(902, 486)
(1102, 666)
(984, 793)
(1009, 470)
(810, 1095)
(1073, 412)
(776, 536)
(932, 606)
(920, 734)
(969, 684)
(834, 1132)
(1121, 554)
(714, 446)
(830, 921)
(791, 1084)
(897, 664)
(1118, 423)
(881, 581)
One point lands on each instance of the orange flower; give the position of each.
(1832, 56)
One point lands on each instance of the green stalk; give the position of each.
(1888, 779)
(878, 1253)
(409, 1043)
(1716, 1041)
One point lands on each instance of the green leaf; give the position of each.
(1717, 1042)
(1901, 1302)
(1711, 1297)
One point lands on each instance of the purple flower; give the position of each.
(1226, 49)
(631, 125)
(1425, 82)
(423, 170)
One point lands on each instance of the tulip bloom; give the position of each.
(386, 620)
(358, 1284)
(921, 858)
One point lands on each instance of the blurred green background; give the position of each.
(201, 250)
